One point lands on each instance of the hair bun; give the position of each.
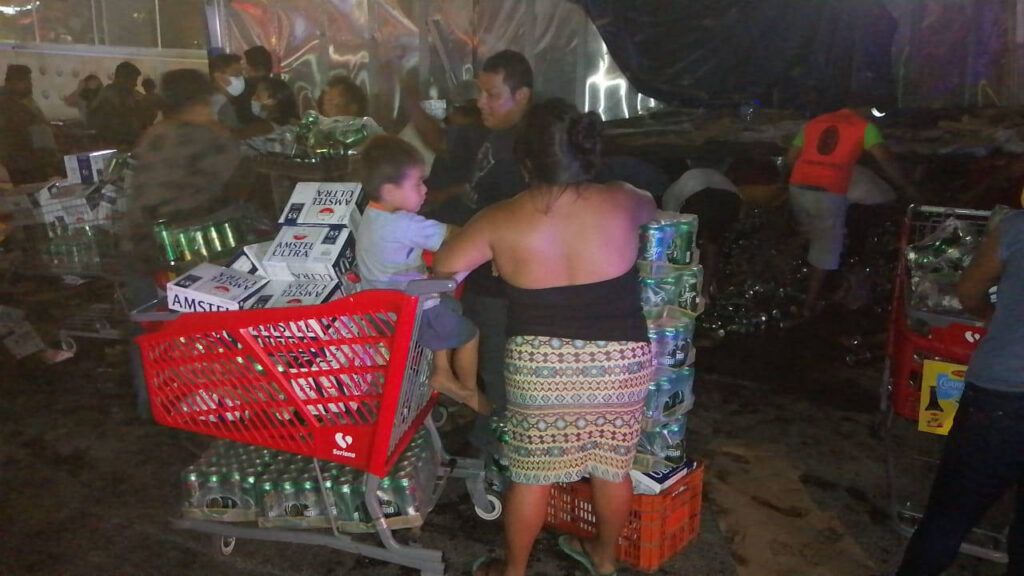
(585, 132)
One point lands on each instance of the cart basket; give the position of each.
(343, 381)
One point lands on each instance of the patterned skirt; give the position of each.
(574, 407)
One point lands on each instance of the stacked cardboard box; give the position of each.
(311, 261)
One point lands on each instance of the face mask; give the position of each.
(257, 109)
(235, 86)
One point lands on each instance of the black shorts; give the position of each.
(716, 210)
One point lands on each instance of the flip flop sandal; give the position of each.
(565, 543)
(480, 563)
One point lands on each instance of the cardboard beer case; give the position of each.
(322, 253)
(656, 481)
(87, 167)
(212, 288)
(325, 204)
(250, 259)
(283, 293)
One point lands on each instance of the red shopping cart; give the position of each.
(343, 382)
(916, 336)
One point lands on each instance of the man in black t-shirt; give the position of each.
(506, 89)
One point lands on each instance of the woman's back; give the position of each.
(568, 235)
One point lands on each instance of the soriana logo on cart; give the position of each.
(349, 444)
(211, 288)
(325, 204)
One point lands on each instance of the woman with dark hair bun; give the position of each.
(577, 359)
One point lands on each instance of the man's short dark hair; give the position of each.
(259, 57)
(221, 62)
(127, 71)
(182, 88)
(16, 72)
(353, 93)
(148, 84)
(385, 160)
(516, 69)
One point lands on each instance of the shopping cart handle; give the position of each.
(431, 286)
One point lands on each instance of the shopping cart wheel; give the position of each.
(495, 511)
(439, 414)
(223, 545)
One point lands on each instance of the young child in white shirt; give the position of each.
(389, 251)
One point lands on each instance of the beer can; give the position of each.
(659, 292)
(228, 234)
(689, 288)
(183, 245)
(684, 237)
(655, 242)
(664, 341)
(191, 485)
(165, 238)
(197, 241)
(213, 241)
(270, 498)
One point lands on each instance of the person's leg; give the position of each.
(1015, 540)
(525, 508)
(465, 361)
(612, 502)
(978, 465)
(490, 316)
(815, 281)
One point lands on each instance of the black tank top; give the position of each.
(606, 310)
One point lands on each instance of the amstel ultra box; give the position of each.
(322, 253)
(282, 293)
(87, 167)
(212, 288)
(325, 204)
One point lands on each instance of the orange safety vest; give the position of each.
(832, 145)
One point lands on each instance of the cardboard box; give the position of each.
(283, 293)
(655, 482)
(88, 167)
(250, 259)
(322, 253)
(70, 205)
(211, 288)
(325, 204)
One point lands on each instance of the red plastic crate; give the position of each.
(342, 381)
(659, 526)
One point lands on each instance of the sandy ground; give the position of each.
(795, 481)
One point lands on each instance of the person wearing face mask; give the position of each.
(274, 105)
(27, 147)
(259, 64)
(226, 76)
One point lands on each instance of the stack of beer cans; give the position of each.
(239, 483)
(671, 280)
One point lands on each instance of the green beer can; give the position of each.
(228, 234)
(165, 238)
(656, 241)
(684, 238)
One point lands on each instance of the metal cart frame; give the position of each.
(913, 336)
(414, 403)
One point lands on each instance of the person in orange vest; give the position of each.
(822, 158)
